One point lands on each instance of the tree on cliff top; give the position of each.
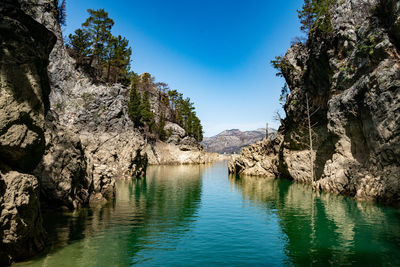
(62, 13)
(315, 15)
(80, 44)
(117, 58)
(109, 56)
(134, 104)
(147, 114)
(162, 134)
(122, 57)
(98, 25)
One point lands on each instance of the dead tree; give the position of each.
(310, 135)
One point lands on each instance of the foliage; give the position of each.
(117, 58)
(146, 113)
(315, 15)
(80, 44)
(284, 93)
(163, 87)
(122, 54)
(280, 66)
(62, 13)
(98, 25)
(162, 134)
(197, 129)
(134, 105)
(146, 77)
(185, 115)
(368, 45)
(109, 55)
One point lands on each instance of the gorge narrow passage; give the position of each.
(199, 215)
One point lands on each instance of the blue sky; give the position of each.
(215, 52)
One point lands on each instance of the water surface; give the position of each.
(200, 216)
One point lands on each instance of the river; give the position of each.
(200, 216)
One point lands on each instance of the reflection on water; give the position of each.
(160, 207)
(324, 228)
(201, 216)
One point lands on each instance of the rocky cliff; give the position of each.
(105, 144)
(63, 138)
(351, 76)
(232, 141)
(24, 49)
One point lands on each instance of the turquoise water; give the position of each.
(201, 216)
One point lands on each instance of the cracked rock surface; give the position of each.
(352, 77)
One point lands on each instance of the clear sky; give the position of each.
(216, 52)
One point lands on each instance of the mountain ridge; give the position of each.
(231, 141)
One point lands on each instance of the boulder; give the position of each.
(21, 231)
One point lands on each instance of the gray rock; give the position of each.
(259, 159)
(62, 170)
(21, 231)
(24, 49)
(352, 75)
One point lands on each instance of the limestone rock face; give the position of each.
(175, 131)
(24, 49)
(98, 115)
(92, 142)
(62, 170)
(259, 159)
(21, 231)
(352, 79)
(165, 153)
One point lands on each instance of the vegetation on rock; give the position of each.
(62, 13)
(94, 46)
(181, 110)
(315, 15)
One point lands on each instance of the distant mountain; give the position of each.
(231, 141)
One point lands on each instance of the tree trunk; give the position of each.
(108, 71)
(311, 144)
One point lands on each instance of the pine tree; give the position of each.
(315, 15)
(135, 104)
(197, 129)
(306, 17)
(145, 108)
(98, 26)
(109, 56)
(80, 44)
(62, 13)
(162, 134)
(122, 57)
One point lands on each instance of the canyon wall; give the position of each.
(24, 50)
(351, 77)
(64, 139)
